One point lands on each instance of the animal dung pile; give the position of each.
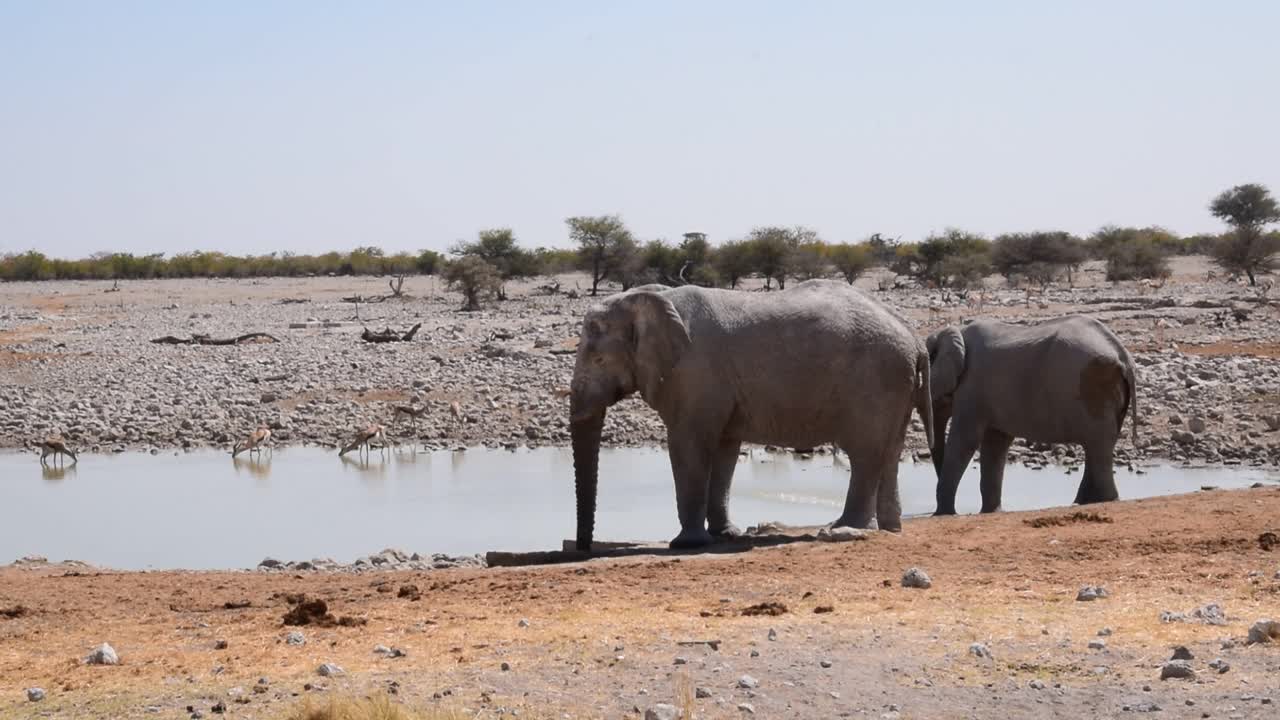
(314, 611)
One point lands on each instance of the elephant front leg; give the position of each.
(994, 454)
(691, 468)
(962, 443)
(723, 464)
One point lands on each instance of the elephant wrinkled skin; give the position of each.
(1067, 380)
(820, 362)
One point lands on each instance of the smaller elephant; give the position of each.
(1067, 380)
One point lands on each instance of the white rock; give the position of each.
(330, 670)
(35, 694)
(104, 654)
(916, 578)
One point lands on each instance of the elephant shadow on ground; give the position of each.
(764, 535)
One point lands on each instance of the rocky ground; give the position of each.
(1177, 588)
(75, 358)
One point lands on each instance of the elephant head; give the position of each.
(946, 366)
(629, 343)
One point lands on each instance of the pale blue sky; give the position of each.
(308, 126)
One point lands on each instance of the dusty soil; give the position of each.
(603, 638)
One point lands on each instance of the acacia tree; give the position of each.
(472, 276)
(1037, 256)
(733, 261)
(850, 260)
(604, 243)
(498, 248)
(1247, 249)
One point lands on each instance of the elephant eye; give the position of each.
(598, 359)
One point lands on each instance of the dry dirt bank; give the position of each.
(604, 638)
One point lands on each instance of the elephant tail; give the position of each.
(1130, 377)
(924, 395)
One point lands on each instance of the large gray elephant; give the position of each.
(821, 362)
(1067, 380)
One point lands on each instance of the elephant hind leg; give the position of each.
(866, 468)
(1099, 482)
(994, 454)
(723, 463)
(888, 500)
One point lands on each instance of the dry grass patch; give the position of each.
(375, 708)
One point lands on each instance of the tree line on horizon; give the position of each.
(608, 252)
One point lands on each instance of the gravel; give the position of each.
(95, 377)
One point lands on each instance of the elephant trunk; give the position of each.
(585, 434)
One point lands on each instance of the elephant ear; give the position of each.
(659, 339)
(946, 360)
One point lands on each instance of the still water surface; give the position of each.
(203, 510)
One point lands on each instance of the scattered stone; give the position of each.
(663, 711)
(1104, 632)
(1196, 424)
(824, 663)
(389, 652)
(773, 635)
(295, 638)
(35, 694)
(701, 693)
(1097, 644)
(1182, 653)
(1264, 631)
(505, 666)
(842, 534)
(747, 682)
(329, 670)
(523, 623)
(220, 645)
(1178, 670)
(823, 609)
(410, 592)
(1036, 685)
(104, 654)
(747, 708)
(681, 660)
(980, 650)
(1090, 592)
(1222, 666)
(916, 578)
(270, 563)
(1148, 708)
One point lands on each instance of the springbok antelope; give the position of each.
(54, 445)
(413, 413)
(456, 410)
(365, 437)
(254, 442)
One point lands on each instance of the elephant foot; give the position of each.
(855, 523)
(944, 511)
(893, 527)
(728, 531)
(995, 509)
(691, 539)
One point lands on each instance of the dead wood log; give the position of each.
(389, 335)
(206, 340)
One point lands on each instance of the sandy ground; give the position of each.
(603, 638)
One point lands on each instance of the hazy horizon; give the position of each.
(249, 128)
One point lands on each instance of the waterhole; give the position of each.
(202, 510)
